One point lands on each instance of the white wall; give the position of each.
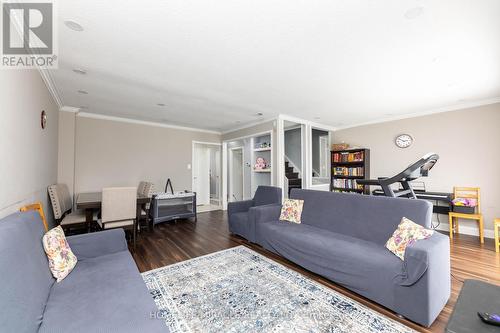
(118, 153)
(468, 142)
(66, 149)
(28, 153)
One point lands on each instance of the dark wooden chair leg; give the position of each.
(134, 232)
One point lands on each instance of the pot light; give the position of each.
(83, 107)
(73, 25)
(413, 13)
(317, 118)
(260, 114)
(83, 92)
(79, 71)
(160, 104)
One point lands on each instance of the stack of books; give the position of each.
(348, 157)
(344, 171)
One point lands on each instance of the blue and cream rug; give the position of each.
(239, 290)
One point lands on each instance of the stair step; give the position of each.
(288, 169)
(292, 175)
(296, 181)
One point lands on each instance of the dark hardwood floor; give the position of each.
(172, 242)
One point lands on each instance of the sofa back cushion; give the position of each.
(367, 217)
(25, 278)
(266, 195)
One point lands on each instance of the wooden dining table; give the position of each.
(91, 202)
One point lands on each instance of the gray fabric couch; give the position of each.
(103, 293)
(241, 213)
(342, 237)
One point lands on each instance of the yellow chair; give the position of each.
(39, 208)
(496, 226)
(467, 193)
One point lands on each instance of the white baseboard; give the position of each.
(467, 230)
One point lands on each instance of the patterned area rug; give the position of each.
(239, 290)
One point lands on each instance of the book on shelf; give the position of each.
(347, 184)
(351, 171)
(342, 157)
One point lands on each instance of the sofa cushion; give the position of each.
(267, 195)
(407, 233)
(25, 279)
(291, 210)
(61, 258)
(102, 294)
(367, 217)
(362, 266)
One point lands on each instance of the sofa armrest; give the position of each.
(422, 255)
(239, 206)
(266, 213)
(98, 243)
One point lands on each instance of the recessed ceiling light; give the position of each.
(83, 92)
(317, 118)
(79, 71)
(73, 25)
(260, 114)
(413, 13)
(238, 122)
(160, 104)
(83, 107)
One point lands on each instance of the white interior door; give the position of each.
(236, 175)
(201, 174)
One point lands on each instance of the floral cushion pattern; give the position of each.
(61, 258)
(291, 210)
(407, 233)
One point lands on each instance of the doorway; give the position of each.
(293, 144)
(206, 175)
(236, 175)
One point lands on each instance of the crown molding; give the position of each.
(140, 122)
(69, 109)
(456, 107)
(248, 125)
(306, 122)
(51, 86)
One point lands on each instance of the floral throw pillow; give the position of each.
(291, 210)
(407, 233)
(61, 258)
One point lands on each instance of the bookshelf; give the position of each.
(261, 147)
(348, 166)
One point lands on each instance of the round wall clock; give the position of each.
(43, 119)
(404, 140)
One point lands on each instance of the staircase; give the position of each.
(293, 178)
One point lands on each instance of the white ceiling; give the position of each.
(215, 64)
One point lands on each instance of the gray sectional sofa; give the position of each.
(103, 293)
(342, 238)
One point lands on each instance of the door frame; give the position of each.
(205, 143)
(231, 152)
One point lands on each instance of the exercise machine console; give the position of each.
(414, 171)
